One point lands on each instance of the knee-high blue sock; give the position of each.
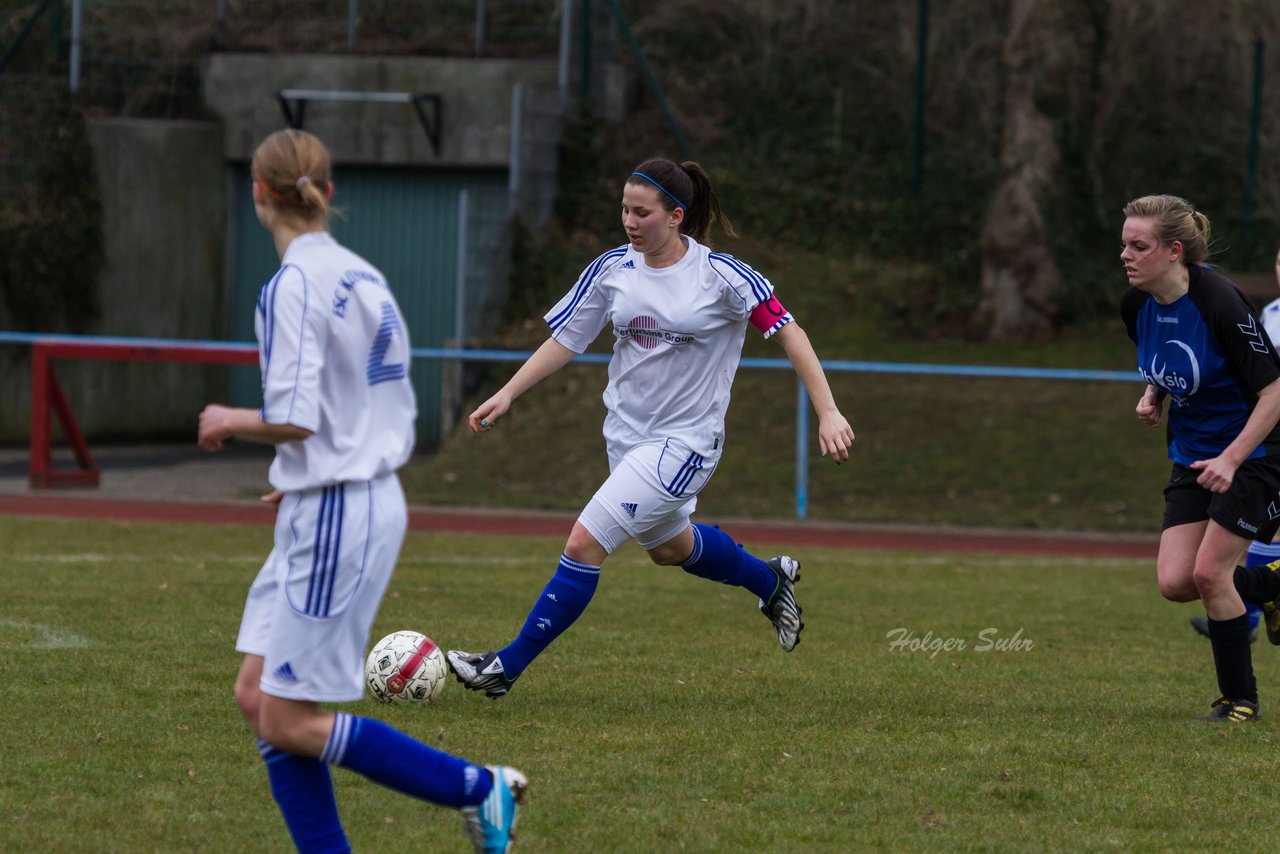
(562, 602)
(717, 557)
(1254, 614)
(304, 792)
(388, 756)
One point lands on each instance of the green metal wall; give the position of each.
(405, 221)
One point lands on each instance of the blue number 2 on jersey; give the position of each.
(379, 370)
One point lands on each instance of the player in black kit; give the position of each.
(1201, 345)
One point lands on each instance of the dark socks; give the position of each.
(1257, 584)
(1232, 658)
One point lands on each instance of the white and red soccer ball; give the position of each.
(405, 667)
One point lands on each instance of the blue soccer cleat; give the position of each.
(490, 825)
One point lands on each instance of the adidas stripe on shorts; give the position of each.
(650, 494)
(309, 611)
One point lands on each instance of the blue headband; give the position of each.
(663, 189)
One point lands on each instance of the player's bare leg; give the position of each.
(1220, 552)
(295, 726)
(248, 694)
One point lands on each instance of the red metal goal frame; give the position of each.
(48, 399)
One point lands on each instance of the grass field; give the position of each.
(666, 720)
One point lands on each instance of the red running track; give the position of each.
(526, 523)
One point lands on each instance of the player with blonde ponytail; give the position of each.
(1201, 345)
(339, 409)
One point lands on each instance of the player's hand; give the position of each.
(835, 437)
(273, 498)
(1215, 474)
(215, 427)
(1148, 408)
(488, 413)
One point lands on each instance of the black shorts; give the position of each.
(1250, 508)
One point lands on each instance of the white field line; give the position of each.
(48, 637)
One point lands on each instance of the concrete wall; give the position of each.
(164, 220)
(475, 104)
(163, 194)
(165, 199)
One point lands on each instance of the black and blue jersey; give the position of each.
(1208, 350)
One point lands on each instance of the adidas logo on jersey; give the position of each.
(628, 265)
(285, 673)
(630, 508)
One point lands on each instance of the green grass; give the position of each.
(666, 720)
(930, 450)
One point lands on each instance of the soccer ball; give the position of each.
(405, 667)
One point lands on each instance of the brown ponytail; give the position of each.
(294, 171)
(685, 185)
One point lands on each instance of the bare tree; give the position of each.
(1020, 278)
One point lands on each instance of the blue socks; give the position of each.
(562, 602)
(1254, 613)
(718, 558)
(388, 756)
(304, 791)
(715, 556)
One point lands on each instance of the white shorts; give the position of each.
(310, 609)
(650, 494)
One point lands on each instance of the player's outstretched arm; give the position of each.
(545, 361)
(220, 423)
(835, 436)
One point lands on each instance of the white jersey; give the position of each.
(334, 353)
(1270, 317)
(678, 339)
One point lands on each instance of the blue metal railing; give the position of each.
(802, 396)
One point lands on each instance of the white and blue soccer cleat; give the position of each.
(490, 825)
(480, 672)
(781, 607)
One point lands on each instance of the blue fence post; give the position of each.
(802, 450)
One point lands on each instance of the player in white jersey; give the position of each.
(339, 409)
(679, 313)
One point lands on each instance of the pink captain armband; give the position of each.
(769, 316)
